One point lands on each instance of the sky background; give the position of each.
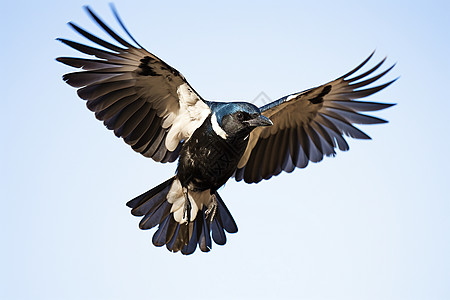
(371, 223)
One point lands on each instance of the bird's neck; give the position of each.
(229, 137)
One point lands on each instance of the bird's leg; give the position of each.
(187, 206)
(212, 208)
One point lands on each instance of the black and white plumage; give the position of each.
(156, 111)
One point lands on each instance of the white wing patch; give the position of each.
(290, 97)
(177, 199)
(217, 129)
(191, 115)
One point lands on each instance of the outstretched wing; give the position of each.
(144, 100)
(309, 125)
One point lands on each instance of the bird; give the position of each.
(154, 109)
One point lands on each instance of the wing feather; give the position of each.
(86, 64)
(142, 127)
(135, 93)
(111, 110)
(309, 125)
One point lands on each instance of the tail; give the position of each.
(164, 205)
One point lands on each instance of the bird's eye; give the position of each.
(240, 116)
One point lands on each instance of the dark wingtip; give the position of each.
(391, 82)
(105, 27)
(358, 67)
(113, 7)
(387, 105)
(92, 14)
(64, 41)
(382, 121)
(88, 9)
(73, 26)
(119, 20)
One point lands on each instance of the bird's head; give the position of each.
(237, 118)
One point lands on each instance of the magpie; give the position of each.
(157, 112)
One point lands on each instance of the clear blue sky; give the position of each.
(371, 223)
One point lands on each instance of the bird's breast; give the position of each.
(207, 160)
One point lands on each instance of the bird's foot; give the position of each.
(210, 212)
(187, 206)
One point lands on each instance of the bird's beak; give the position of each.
(259, 121)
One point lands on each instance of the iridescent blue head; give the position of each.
(237, 117)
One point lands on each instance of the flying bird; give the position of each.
(159, 114)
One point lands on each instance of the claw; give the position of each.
(187, 206)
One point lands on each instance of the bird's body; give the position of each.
(207, 160)
(210, 156)
(155, 110)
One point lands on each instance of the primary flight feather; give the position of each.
(157, 112)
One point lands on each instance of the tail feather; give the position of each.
(218, 234)
(141, 204)
(172, 228)
(156, 209)
(192, 245)
(204, 242)
(159, 238)
(155, 215)
(227, 220)
(179, 239)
